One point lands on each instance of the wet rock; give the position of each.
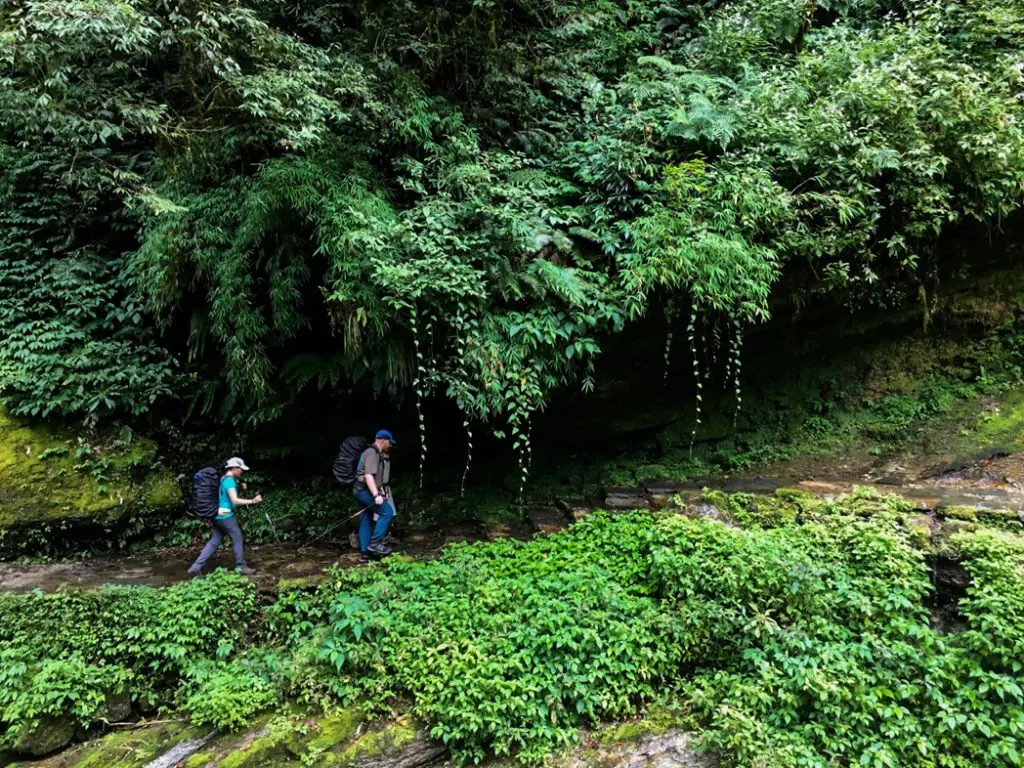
(704, 510)
(181, 752)
(951, 582)
(824, 489)
(751, 485)
(966, 465)
(546, 519)
(463, 533)
(672, 749)
(957, 512)
(892, 478)
(626, 498)
(42, 486)
(923, 529)
(53, 733)
(953, 527)
(661, 492)
(502, 530)
(400, 745)
(119, 706)
(576, 509)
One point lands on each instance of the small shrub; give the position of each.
(226, 694)
(67, 688)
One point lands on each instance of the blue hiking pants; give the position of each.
(384, 514)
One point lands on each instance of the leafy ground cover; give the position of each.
(796, 635)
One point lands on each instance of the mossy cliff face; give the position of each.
(51, 479)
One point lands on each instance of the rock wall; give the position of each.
(55, 480)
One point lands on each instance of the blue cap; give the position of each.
(385, 435)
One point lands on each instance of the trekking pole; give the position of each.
(272, 528)
(317, 538)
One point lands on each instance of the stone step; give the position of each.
(576, 509)
(547, 519)
(661, 492)
(626, 499)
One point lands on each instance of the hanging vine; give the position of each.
(524, 452)
(458, 384)
(469, 455)
(420, 384)
(736, 366)
(716, 342)
(691, 334)
(705, 348)
(670, 314)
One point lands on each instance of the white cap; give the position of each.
(236, 462)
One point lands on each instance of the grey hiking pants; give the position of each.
(229, 527)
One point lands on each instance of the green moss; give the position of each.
(336, 729)
(159, 491)
(717, 499)
(1002, 425)
(47, 475)
(130, 748)
(958, 513)
(748, 510)
(199, 759)
(263, 752)
(632, 731)
(300, 583)
(374, 744)
(659, 718)
(920, 536)
(953, 527)
(1004, 519)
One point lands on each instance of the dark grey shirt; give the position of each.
(373, 462)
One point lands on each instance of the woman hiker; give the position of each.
(225, 523)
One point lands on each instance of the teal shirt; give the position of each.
(226, 483)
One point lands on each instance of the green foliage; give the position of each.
(832, 624)
(464, 197)
(226, 694)
(502, 647)
(64, 653)
(149, 630)
(800, 637)
(35, 692)
(798, 641)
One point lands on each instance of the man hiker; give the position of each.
(225, 523)
(372, 489)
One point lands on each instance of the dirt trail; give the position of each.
(992, 481)
(275, 564)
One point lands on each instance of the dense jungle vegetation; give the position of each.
(222, 207)
(797, 636)
(218, 214)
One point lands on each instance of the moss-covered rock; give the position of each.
(375, 747)
(261, 753)
(131, 748)
(52, 734)
(958, 513)
(52, 478)
(336, 729)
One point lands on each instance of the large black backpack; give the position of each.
(344, 468)
(205, 492)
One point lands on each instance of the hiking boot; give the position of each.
(379, 549)
(245, 570)
(364, 559)
(195, 571)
